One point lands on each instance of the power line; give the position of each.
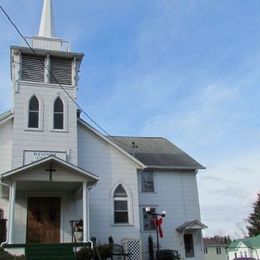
(53, 76)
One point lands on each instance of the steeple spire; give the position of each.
(47, 28)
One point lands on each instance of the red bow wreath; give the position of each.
(158, 224)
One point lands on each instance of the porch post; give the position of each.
(11, 212)
(85, 212)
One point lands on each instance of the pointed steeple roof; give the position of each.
(47, 28)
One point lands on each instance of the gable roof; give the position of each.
(52, 159)
(250, 242)
(140, 165)
(191, 225)
(156, 152)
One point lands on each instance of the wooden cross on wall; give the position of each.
(51, 170)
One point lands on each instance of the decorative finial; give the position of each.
(134, 147)
(47, 28)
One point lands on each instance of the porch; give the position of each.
(44, 197)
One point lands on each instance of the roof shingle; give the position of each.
(156, 152)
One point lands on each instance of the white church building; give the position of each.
(55, 168)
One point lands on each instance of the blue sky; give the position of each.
(185, 70)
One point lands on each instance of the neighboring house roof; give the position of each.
(191, 225)
(156, 152)
(213, 242)
(250, 242)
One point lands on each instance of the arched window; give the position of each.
(120, 200)
(58, 116)
(33, 121)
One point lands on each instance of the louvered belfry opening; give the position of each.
(61, 71)
(32, 68)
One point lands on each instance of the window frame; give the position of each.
(58, 113)
(128, 199)
(65, 115)
(40, 114)
(33, 113)
(218, 250)
(142, 180)
(144, 213)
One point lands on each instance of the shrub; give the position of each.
(85, 253)
(6, 256)
(104, 251)
(168, 254)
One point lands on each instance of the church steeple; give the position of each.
(46, 38)
(47, 28)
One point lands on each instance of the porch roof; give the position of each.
(90, 177)
(191, 225)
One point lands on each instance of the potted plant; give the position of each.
(78, 231)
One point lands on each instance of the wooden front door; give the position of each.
(43, 220)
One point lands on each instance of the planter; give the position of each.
(78, 236)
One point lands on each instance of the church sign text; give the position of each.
(32, 156)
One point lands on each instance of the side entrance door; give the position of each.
(43, 220)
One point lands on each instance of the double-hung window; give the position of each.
(148, 221)
(147, 181)
(120, 200)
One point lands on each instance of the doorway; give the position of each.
(43, 220)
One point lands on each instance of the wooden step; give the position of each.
(49, 252)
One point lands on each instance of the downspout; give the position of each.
(7, 237)
(89, 240)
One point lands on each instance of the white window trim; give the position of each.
(142, 217)
(65, 115)
(129, 200)
(40, 126)
(154, 183)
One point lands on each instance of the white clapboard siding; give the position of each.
(6, 140)
(113, 168)
(176, 193)
(45, 139)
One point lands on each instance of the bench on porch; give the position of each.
(59, 251)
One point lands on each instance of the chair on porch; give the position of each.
(117, 250)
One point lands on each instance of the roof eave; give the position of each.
(6, 116)
(173, 167)
(46, 159)
(43, 52)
